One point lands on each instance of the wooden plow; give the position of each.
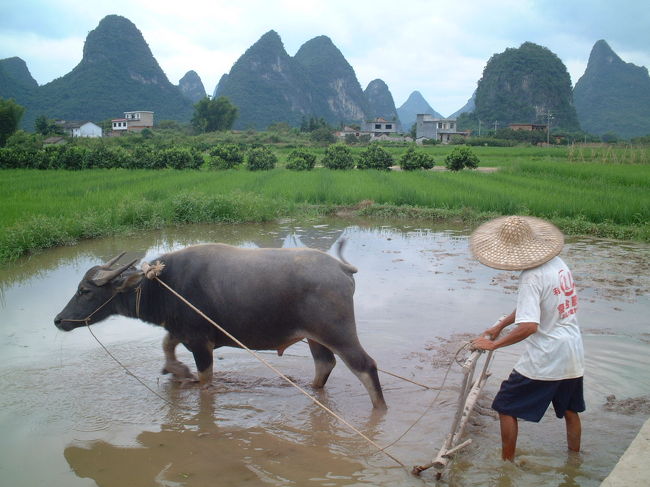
(469, 392)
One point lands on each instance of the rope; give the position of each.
(424, 413)
(424, 386)
(280, 374)
(128, 372)
(153, 271)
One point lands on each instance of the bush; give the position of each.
(99, 156)
(71, 157)
(460, 158)
(300, 160)
(176, 158)
(225, 156)
(16, 158)
(351, 139)
(338, 156)
(142, 157)
(413, 160)
(322, 134)
(375, 157)
(260, 159)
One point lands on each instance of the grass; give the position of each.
(42, 209)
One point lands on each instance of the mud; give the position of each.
(631, 405)
(419, 299)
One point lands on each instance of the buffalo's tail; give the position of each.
(339, 252)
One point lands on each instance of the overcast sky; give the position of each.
(437, 47)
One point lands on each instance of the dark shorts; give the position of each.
(528, 399)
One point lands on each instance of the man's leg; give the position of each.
(573, 430)
(509, 431)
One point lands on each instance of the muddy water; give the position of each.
(70, 416)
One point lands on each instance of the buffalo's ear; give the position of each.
(129, 282)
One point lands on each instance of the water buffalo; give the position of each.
(267, 298)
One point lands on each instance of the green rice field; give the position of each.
(41, 209)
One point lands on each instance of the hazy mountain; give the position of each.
(219, 87)
(267, 85)
(117, 73)
(470, 106)
(612, 95)
(192, 87)
(522, 85)
(380, 101)
(414, 105)
(335, 91)
(16, 81)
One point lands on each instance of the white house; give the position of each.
(440, 129)
(133, 121)
(80, 129)
(379, 126)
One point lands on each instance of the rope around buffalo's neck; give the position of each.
(152, 273)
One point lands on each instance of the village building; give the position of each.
(80, 129)
(440, 129)
(133, 122)
(379, 126)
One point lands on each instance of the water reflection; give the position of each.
(200, 452)
(417, 288)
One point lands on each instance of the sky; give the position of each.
(439, 48)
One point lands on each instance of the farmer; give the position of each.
(552, 366)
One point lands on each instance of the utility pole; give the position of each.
(549, 116)
(496, 125)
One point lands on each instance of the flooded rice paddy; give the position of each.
(71, 416)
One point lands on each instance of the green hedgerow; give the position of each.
(225, 156)
(460, 158)
(375, 157)
(338, 156)
(412, 160)
(301, 160)
(260, 159)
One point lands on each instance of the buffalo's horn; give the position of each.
(103, 277)
(113, 261)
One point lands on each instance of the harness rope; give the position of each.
(86, 321)
(154, 275)
(152, 272)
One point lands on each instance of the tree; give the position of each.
(260, 159)
(460, 158)
(46, 126)
(338, 156)
(323, 135)
(214, 115)
(301, 160)
(412, 160)
(375, 157)
(225, 156)
(10, 115)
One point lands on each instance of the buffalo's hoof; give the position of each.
(179, 370)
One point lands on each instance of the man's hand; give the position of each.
(494, 332)
(483, 343)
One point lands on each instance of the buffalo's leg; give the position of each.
(203, 358)
(172, 365)
(324, 362)
(365, 368)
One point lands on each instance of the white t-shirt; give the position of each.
(547, 296)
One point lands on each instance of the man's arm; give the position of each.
(521, 332)
(496, 330)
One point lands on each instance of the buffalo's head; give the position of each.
(98, 293)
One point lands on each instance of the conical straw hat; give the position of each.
(516, 242)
